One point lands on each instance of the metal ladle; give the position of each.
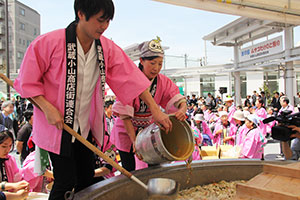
(156, 187)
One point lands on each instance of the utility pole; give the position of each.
(7, 48)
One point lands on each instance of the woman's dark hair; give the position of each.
(261, 101)
(6, 134)
(141, 67)
(92, 7)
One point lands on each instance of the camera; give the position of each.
(281, 131)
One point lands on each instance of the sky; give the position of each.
(135, 21)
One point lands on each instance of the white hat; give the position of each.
(222, 113)
(253, 118)
(239, 115)
(246, 113)
(199, 117)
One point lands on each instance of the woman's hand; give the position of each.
(219, 132)
(180, 115)
(21, 185)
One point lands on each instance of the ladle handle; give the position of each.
(85, 142)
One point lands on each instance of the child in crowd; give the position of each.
(254, 140)
(224, 130)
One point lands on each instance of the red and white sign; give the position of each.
(262, 49)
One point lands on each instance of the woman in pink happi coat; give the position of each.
(241, 128)
(9, 171)
(135, 116)
(224, 131)
(269, 125)
(201, 126)
(231, 108)
(260, 110)
(254, 140)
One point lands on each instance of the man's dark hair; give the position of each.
(108, 103)
(92, 7)
(27, 114)
(277, 93)
(285, 99)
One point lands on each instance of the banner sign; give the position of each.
(262, 49)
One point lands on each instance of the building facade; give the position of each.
(23, 28)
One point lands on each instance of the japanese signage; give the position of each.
(262, 49)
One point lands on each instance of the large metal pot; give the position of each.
(202, 172)
(155, 146)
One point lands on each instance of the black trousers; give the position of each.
(127, 159)
(75, 171)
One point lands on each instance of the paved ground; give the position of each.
(272, 149)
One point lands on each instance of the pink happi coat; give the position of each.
(231, 111)
(270, 125)
(217, 137)
(206, 129)
(261, 113)
(109, 150)
(167, 93)
(253, 144)
(209, 116)
(12, 171)
(198, 141)
(239, 134)
(35, 181)
(43, 72)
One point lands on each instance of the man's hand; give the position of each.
(295, 128)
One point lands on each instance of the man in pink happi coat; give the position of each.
(65, 72)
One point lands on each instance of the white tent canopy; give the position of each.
(285, 11)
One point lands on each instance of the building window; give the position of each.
(22, 11)
(20, 41)
(20, 55)
(207, 85)
(271, 80)
(35, 31)
(22, 26)
(28, 42)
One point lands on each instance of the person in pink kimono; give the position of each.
(35, 180)
(270, 111)
(9, 170)
(241, 128)
(200, 126)
(134, 117)
(254, 140)
(229, 101)
(260, 110)
(224, 131)
(64, 72)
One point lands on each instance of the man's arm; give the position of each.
(53, 116)
(19, 146)
(157, 114)
(286, 150)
